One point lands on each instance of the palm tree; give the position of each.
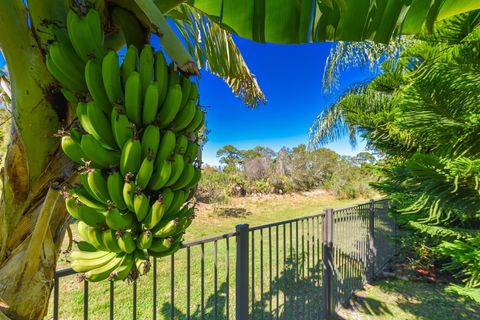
(422, 115)
(32, 215)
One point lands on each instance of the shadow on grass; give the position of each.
(231, 212)
(400, 299)
(295, 294)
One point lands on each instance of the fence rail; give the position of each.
(302, 268)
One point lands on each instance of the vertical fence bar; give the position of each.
(227, 302)
(134, 316)
(188, 282)
(112, 300)
(241, 279)
(202, 287)
(154, 316)
(371, 240)
(172, 287)
(215, 279)
(327, 278)
(55, 297)
(253, 275)
(85, 299)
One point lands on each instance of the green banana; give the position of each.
(141, 205)
(193, 92)
(83, 229)
(66, 59)
(132, 30)
(177, 202)
(73, 150)
(86, 247)
(161, 76)
(170, 107)
(64, 79)
(84, 182)
(100, 156)
(91, 254)
(133, 98)
(165, 228)
(125, 241)
(187, 176)
(70, 95)
(123, 270)
(146, 67)
(84, 265)
(177, 169)
(117, 220)
(142, 262)
(196, 177)
(161, 175)
(173, 76)
(185, 116)
(115, 189)
(110, 240)
(98, 184)
(85, 34)
(144, 240)
(94, 79)
(76, 135)
(150, 104)
(145, 172)
(196, 122)
(114, 41)
(121, 127)
(91, 216)
(191, 152)
(167, 197)
(155, 214)
(71, 204)
(84, 197)
(101, 125)
(81, 112)
(128, 192)
(174, 248)
(131, 157)
(130, 63)
(161, 244)
(181, 145)
(111, 78)
(166, 147)
(150, 141)
(104, 271)
(95, 238)
(186, 88)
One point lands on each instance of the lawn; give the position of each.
(409, 300)
(214, 219)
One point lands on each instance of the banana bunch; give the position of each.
(136, 145)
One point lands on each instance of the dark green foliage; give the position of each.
(422, 114)
(261, 171)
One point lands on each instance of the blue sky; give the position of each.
(290, 76)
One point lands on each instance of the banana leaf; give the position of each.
(303, 21)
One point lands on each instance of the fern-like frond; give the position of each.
(214, 48)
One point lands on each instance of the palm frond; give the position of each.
(345, 55)
(214, 48)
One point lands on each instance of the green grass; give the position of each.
(409, 300)
(302, 294)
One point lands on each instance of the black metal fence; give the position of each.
(301, 268)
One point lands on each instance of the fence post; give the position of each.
(327, 278)
(372, 251)
(241, 279)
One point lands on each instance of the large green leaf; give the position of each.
(301, 21)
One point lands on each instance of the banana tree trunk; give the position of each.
(33, 218)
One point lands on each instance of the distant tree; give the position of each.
(231, 157)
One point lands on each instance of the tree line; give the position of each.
(261, 170)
